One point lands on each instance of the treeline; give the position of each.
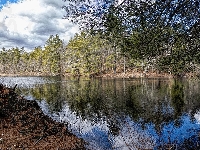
(144, 36)
(164, 35)
(44, 61)
(83, 55)
(91, 55)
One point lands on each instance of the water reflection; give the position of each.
(122, 113)
(177, 97)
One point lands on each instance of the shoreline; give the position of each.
(23, 125)
(105, 75)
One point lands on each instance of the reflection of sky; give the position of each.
(131, 134)
(97, 134)
(94, 133)
(24, 82)
(170, 133)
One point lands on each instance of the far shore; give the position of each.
(104, 75)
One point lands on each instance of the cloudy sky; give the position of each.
(29, 23)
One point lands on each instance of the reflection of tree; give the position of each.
(52, 93)
(193, 97)
(85, 98)
(132, 102)
(95, 101)
(177, 98)
(98, 100)
(114, 125)
(154, 102)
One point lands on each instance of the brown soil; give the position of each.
(23, 125)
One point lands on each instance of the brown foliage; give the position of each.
(23, 125)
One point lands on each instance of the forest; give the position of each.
(83, 55)
(131, 36)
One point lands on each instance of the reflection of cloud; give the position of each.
(197, 117)
(131, 135)
(98, 135)
(82, 128)
(32, 22)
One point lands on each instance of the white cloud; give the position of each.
(29, 23)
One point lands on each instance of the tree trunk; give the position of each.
(124, 64)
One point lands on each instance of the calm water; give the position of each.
(120, 113)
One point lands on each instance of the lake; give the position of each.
(120, 114)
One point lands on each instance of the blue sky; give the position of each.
(29, 23)
(3, 2)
